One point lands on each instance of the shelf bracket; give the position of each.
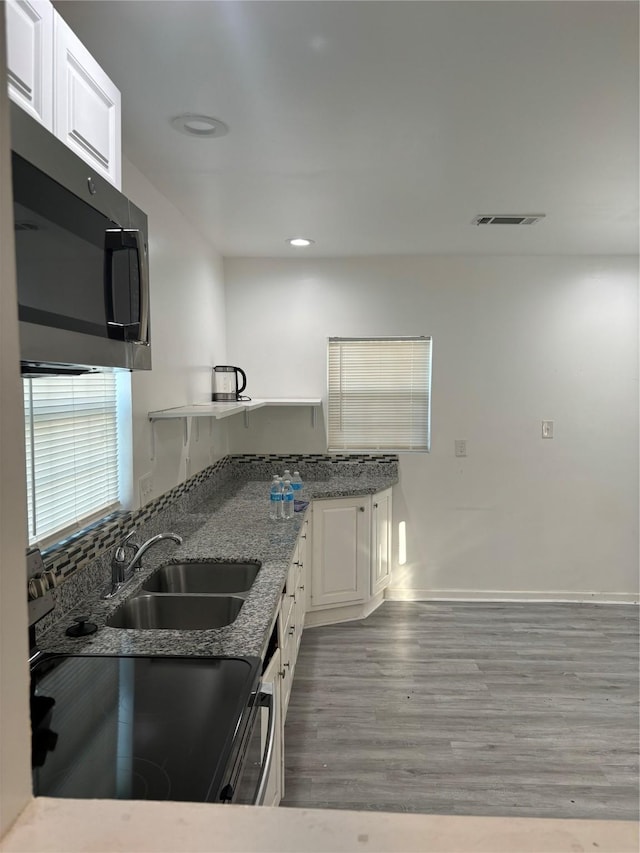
(185, 435)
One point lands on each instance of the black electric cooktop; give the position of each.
(158, 728)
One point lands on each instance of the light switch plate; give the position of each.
(547, 429)
(460, 446)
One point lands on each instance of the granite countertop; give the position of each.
(235, 528)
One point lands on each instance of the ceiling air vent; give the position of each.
(508, 219)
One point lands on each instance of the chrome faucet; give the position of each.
(120, 568)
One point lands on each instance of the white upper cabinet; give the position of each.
(86, 104)
(56, 80)
(30, 57)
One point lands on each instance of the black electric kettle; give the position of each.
(226, 387)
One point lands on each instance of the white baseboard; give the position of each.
(509, 595)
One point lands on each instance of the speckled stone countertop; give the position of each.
(234, 528)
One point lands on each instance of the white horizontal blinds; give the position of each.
(72, 450)
(379, 393)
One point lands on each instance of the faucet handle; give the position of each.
(119, 555)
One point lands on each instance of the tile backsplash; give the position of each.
(69, 556)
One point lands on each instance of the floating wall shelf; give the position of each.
(218, 411)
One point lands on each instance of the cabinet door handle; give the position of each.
(301, 587)
(282, 673)
(304, 536)
(292, 630)
(375, 506)
(361, 508)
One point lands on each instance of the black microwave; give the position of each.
(81, 260)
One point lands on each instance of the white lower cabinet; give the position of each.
(351, 563)
(301, 590)
(341, 563)
(281, 666)
(349, 542)
(380, 541)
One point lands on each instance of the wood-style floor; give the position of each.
(469, 709)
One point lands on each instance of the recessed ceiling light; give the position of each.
(197, 125)
(299, 242)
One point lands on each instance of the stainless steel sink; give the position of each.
(176, 612)
(203, 578)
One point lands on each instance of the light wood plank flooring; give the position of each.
(469, 709)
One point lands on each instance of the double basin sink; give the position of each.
(188, 597)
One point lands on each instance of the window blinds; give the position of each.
(379, 394)
(72, 451)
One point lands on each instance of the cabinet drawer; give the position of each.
(293, 575)
(285, 619)
(288, 658)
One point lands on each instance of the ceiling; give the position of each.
(383, 127)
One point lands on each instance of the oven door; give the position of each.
(248, 773)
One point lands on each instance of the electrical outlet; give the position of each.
(547, 429)
(460, 446)
(145, 488)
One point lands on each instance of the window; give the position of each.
(379, 394)
(71, 431)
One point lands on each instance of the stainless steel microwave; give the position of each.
(81, 260)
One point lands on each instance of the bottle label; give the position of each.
(296, 486)
(288, 497)
(276, 497)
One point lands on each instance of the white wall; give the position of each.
(516, 340)
(15, 734)
(188, 338)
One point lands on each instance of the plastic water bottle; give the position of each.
(286, 475)
(296, 485)
(287, 500)
(275, 499)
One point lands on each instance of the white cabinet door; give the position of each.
(86, 104)
(30, 57)
(301, 588)
(274, 785)
(381, 541)
(340, 566)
